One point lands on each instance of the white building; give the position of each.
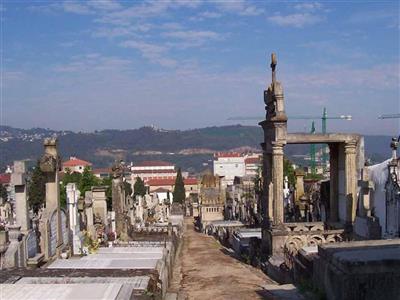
(252, 164)
(234, 164)
(153, 170)
(229, 165)
(75, 165)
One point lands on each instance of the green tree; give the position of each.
(87, 181)
(37, 189)
(69, 177)
(139, 187)
(179, 189)
(128, 189)
(289, 171)
(3, 193)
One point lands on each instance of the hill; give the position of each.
(191, 149)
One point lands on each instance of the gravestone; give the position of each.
(18, 180)
(31, 245)
(53, 234)
(64, 227)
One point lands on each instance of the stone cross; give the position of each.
(18, 180)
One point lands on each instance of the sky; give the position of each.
(92, 65)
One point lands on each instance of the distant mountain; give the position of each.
(191, 149)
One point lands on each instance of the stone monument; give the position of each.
(51, 232)
(73, 195)
(118, 201)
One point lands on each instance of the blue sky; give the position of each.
(86, 65)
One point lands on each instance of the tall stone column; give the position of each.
(334, 182)
(351, 181)
(18, 180)
(118, 202)
(50, 164)
(267, 201)
(73, 195)
(277, 181)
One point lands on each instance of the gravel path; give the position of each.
(207, 271)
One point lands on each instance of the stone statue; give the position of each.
(273, 96)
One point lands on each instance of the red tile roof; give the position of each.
(170, 181)
(74, 162)
(152, 171)
(5, 178)
(252, 160)
(227, 154)
(153, 163)
(102, 171)
(161, 190)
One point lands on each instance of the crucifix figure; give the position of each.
(273, 66)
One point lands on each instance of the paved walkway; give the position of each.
(205, 270)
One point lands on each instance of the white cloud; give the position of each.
(240, 7)
(210, 14)
(309, 6)
(154, 53)
(76, 8)
(191, 38)
(105, 4)
(298, 20)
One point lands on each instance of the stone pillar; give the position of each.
(73, 195)
(277, 180)
(351, 181)
(334, 182)
(18, 180)
(89, 214)
(267, 203)
(118, 202)
(299, 184)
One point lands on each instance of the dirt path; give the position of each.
(207, 272)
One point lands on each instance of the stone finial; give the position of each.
(50, 141)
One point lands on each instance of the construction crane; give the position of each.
(324, 119)
(389, 116)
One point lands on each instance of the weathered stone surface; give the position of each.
(359, 270)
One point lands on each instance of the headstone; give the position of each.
(64, 227)
(89, 214)
(18, 180)
(31, 244)
(100, 202)
(53, 234)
